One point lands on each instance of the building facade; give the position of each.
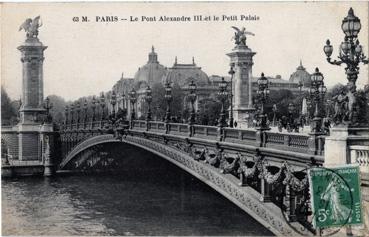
(182, 74)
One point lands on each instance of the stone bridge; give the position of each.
(246, 166)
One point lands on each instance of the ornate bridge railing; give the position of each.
(269, 169)
(280, 141)
(360, 154)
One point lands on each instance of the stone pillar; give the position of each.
(241, 61)
(33, 89)
(32, 99)
(336, 148)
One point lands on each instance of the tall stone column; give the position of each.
(29, 127)
(241, 61)
(33, 89)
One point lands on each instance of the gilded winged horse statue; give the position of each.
(240, 35)
(31, 27)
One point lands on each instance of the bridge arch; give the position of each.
(227, 185)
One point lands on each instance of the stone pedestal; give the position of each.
(29, 142)
(32, 84)
(241, 61)
(336, 147)
(32, 108)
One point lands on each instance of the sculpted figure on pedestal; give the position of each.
(31, 27)
(240, 35)
(340, 107)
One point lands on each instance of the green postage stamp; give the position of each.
(335, 196)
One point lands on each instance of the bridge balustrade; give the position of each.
(178, 129)
(360, 155)
(281, 141)
(247, 136)
(157, 126)
(207, 132)
(293, 142)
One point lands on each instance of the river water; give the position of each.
(160, 200)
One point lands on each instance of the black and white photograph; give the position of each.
(185, 118)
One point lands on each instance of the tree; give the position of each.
(177, 104)
(8, 109)
(281, 98)
(158, 104)
(58, 108)
(209, 114)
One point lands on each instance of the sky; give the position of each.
(85, 58)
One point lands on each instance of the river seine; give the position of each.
(159, 200)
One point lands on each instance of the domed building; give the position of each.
(301, 77)
(183, 74)
(152, 72)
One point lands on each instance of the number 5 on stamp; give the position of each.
(335, 196)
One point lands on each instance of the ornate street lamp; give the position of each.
(223, 95)
(263, 94)
(148, 98)
(291, 112)
(48, 105)
(78, 110)
(317, 92)
(133, 99)
(113, 102)
(66, 115)
(274, 109)
(231, 72)
(102, 104)
(71, 114)
(192, 97)
(85, 107)
(168, 98)
(93, 108)
(351, 54)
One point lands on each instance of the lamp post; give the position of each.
(168, 98)
(113, 102)
(231, 72)
(93, 108)
(291, 112)
(148, 98)
(192, 97)
(102, 104)
(78, 110)
(263, 94)
(351, 54)
(300, 85)
(274, 109)
(223, 95)
(132, 99)
(85, 107)
(317, 92)
(48, 105)
(66, 115)
(71, 109)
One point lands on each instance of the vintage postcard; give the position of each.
(185, 118)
